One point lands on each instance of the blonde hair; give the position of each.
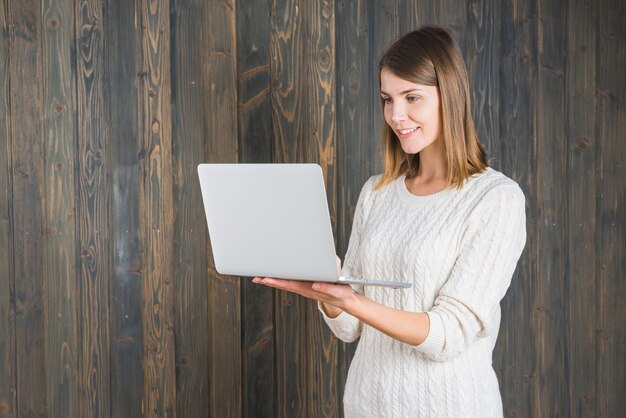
(429, 56)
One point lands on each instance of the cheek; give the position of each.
(386, 112)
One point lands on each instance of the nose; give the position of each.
(398, 113)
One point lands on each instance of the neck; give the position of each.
(432, 166)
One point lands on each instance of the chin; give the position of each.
(411, 150)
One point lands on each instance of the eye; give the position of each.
(412, 99)
(386, 100)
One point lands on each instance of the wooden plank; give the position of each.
(287, 44)
(483, 62)
(551, 227)
(254, 132)
(60, 280)
(610, 219)
(27, 150)
(452, 15)
(428, 12)
(220, 92)
(515, 358)
(409, 17)
(581, 179)
(121, 39)
(156, 212)
(384, 23)
(190, 243)
(7, 303)
(92, 213)
(353, 160)
(319, 135)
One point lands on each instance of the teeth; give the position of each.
(406, 131)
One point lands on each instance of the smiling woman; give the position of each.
(439, 218)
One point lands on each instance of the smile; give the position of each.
(407, 131)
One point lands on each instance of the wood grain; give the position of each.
(287, 58)
(551, 227)
(287, 54)
(156, 212)
(93, 197)
(255, 146)
(27, 155)
(121, 68)
(483, 64)
(581, 178)
(319, 79)
(610, 217)
(7, 302)
(515, 358)
(224, 295)
(190, 243)
(60, 257)
(384, 31)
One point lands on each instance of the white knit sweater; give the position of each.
(459, 248)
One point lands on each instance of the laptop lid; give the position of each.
(269, 220)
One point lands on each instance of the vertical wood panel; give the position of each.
(451, 14)
(121, 40)
(156, 212)
(551, 226)
(28, 214)
(7, 306)
(409, 17)
(93, 208)
(287, 94)
(254, 132)
(220, 90)
(190, 243)
(483, 52)
(611, 201)
(581, 179)
(58, 80)
(514, 355)
(384, 31)
(319, 136)
(354, 67)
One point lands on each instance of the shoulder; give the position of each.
(369, 194)
(491, 192)
(372, 181)
(492, 184)
(369, 187)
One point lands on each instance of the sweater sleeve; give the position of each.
(345, 326)
(466, 305)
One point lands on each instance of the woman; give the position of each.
(439, 217)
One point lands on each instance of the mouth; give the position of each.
(403, 133)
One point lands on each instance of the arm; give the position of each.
(409, 327)
(467, 305)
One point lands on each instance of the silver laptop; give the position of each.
(272, 220)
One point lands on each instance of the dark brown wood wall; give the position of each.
(109, 302)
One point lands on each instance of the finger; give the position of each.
(289, 285)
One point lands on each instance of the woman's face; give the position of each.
(411, 110)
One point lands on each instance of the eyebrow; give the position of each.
(403, 92)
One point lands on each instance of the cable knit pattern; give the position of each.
(459, 247)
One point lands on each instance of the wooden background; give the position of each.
(109, 304)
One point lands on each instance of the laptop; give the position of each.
(272, 220)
